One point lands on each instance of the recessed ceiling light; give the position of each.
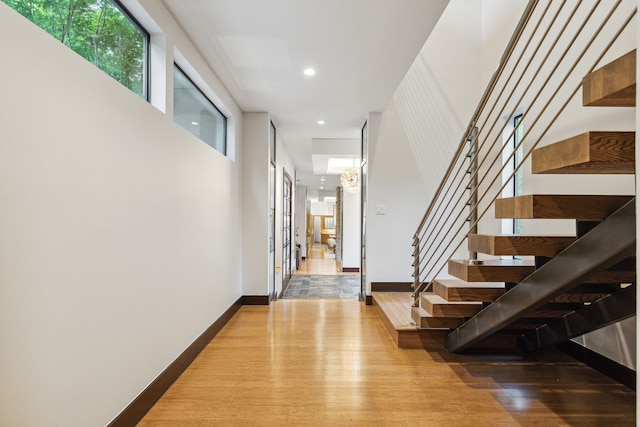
(309, 72)
(195, 123)
(320, 122)
(322, 188)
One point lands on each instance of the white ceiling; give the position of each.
(361, 50)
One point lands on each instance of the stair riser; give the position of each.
(480, 273)
(584, 207)
(435, 322)
(518, 245)
(450, 310)
(613, 85)
(469, 294)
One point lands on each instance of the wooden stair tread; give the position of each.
(440, 307)
(548, 246)
(459, 290)
(491, 270)
(560, 206)
(424, 320)
(613, 85)
(588, 153)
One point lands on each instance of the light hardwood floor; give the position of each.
(332, 363)
(317, 264)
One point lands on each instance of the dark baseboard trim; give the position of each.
(255, 300)
(604, 365)
(391, 287)
(368, 300)
(351, 269)
(137, 409)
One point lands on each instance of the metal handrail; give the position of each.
(485, 98)
(423, 240)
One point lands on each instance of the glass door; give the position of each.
(286, 229)
(272, 213)
(363, 212)
(272, 231)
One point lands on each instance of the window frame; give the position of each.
(226, 119)
(146, 72)
(142, 31)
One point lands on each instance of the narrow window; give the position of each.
(101, 31)
(196, 113)
(518, 178)
(514, 184)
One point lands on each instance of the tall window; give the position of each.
(193, 111)
(514, 185)
(101, 31)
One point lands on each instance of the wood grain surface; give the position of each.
(332, 363)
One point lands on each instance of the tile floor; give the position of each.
(323, 287)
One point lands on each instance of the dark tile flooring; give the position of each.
(323, 287)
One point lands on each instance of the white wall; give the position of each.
(283, 164)
(255, 213)
(119, 237)
(255, 204)
(350, 230)
(395, 182)
(301, 218)
(418, 132)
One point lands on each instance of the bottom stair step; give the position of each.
(394, 311)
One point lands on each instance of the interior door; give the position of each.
(363, 213)
(272, 231)
(286, 229)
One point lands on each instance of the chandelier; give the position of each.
(350, 180)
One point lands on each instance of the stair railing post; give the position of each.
(473, 185)
(416, 267)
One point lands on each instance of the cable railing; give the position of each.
(555, 44)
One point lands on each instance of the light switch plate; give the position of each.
(380, 210)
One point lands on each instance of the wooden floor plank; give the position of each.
(320, 363)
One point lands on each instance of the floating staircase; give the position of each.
(570, 285)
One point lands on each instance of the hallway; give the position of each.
(265, 369)
(321, 262)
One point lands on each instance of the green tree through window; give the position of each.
(99, 30)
